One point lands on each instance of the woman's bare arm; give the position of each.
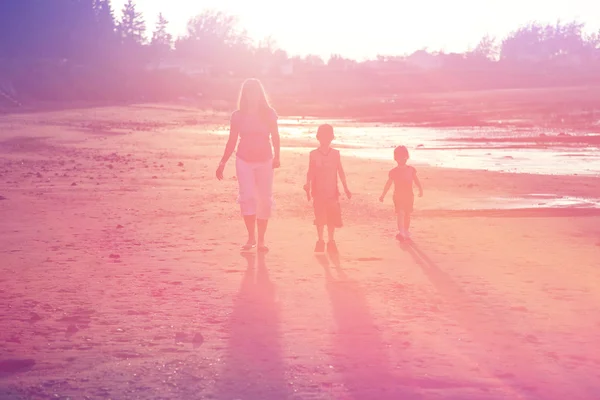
(309, 176)
(231, 142)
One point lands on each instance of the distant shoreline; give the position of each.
(551, 110)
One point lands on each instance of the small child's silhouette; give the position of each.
(324, 168)
(403, 177)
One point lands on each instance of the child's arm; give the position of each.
(342, 176)
(386, 188)
(418, 183)
(309, 177)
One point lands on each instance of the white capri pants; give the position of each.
(255, 181)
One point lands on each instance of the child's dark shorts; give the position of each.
(327, 212)
(404, 202)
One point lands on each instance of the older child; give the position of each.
(403, 177)
(324, 168)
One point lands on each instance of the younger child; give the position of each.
(403, 177)
(324, 168)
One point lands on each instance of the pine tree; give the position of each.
(161, 36)
(105, 27)
(162, 41)
(104, 17)
(80, 28)
(132, 27)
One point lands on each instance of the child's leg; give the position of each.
(334, 219)
(331, 246)
(320, 246)
(320, 216)
(407, 213)
(400, 222)
(330, 233)
(320, 229)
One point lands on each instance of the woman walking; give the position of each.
(254, 123)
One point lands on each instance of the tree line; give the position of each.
(79, 50)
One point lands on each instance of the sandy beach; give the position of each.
(121, 276)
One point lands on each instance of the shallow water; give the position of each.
(445, 147)
(440, 147)
(534, 200)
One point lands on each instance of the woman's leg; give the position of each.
(262, 230)
(264, 190)
(250, 222)
(247, 197)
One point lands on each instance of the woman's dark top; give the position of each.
(254, 131)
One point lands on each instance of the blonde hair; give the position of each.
(250, 86)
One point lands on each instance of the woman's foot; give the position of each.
(250, 244)
(400, 236)
(262, 249)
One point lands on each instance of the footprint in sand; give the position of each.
(532, 339)
(136, 312)
(519, 308)
(364, 259)
(197, 340)
(13, 339)
(14, 366)
(71, 330)
(34, 317)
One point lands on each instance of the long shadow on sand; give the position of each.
(15, 366)
(360, 353)
(254, 368)
(518, 363)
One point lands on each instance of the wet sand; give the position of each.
(121, 276)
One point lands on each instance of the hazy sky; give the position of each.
(363, 29)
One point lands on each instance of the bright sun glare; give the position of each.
(365, 29)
